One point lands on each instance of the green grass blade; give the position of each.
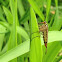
(35, 47)
(5, 24)
(1, 15)
(25, 17)
(22, 32)
(14, 28)
(2, 34)
(52, 36)
(20, 8)
(37, 10)
(57, 22)
(26, 59)
(58, 59)
(48, 9)
(52, 51)
(8, 15)
(13, 36)
(40, 3)
(15, 52)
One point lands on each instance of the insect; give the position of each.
(44, 29)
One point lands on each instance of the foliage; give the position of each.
(20, 40)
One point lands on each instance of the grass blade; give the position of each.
(2, 34)
(36, 48)
(8, 15)
(57, 22)
(37, 10)
(20, 8)
(22, 32)
(13, 36)
(15, 52)
(48, 9)
(1, 15)
(52, 51)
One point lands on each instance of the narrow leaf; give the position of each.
(37, 10)
(36, 47)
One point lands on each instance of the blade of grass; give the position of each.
(58, 59)
(6, 25)
(8, 15)
(37, 10)
(22, 12)
(4, 57)
(25, 17)
(13, 36)
(2, 29)
(20, 8)
(48, 9)
(15, 52)
(22, 32)
(35, 47)
(40, 3)
(1, 15)
(26, 59)
(49, 25)
(57, 23)
(52, 51)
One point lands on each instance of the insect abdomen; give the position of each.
(45, 37)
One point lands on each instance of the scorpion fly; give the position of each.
(44, 29)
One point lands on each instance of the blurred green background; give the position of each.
(19, 20)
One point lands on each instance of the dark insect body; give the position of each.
(44, 29)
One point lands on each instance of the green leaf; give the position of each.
(8, 15)
(35, 46)
(25, 17)
(37, 10)
(1, 15)
(40, 3)
(15, 52)
(58, 59)
(2, 34)
(20, 8)
(53, 48)
(13, 36)
(52, 51)
(57, 22)
(14, 28)
(48, 9)
(22, 32)
(5, 24)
